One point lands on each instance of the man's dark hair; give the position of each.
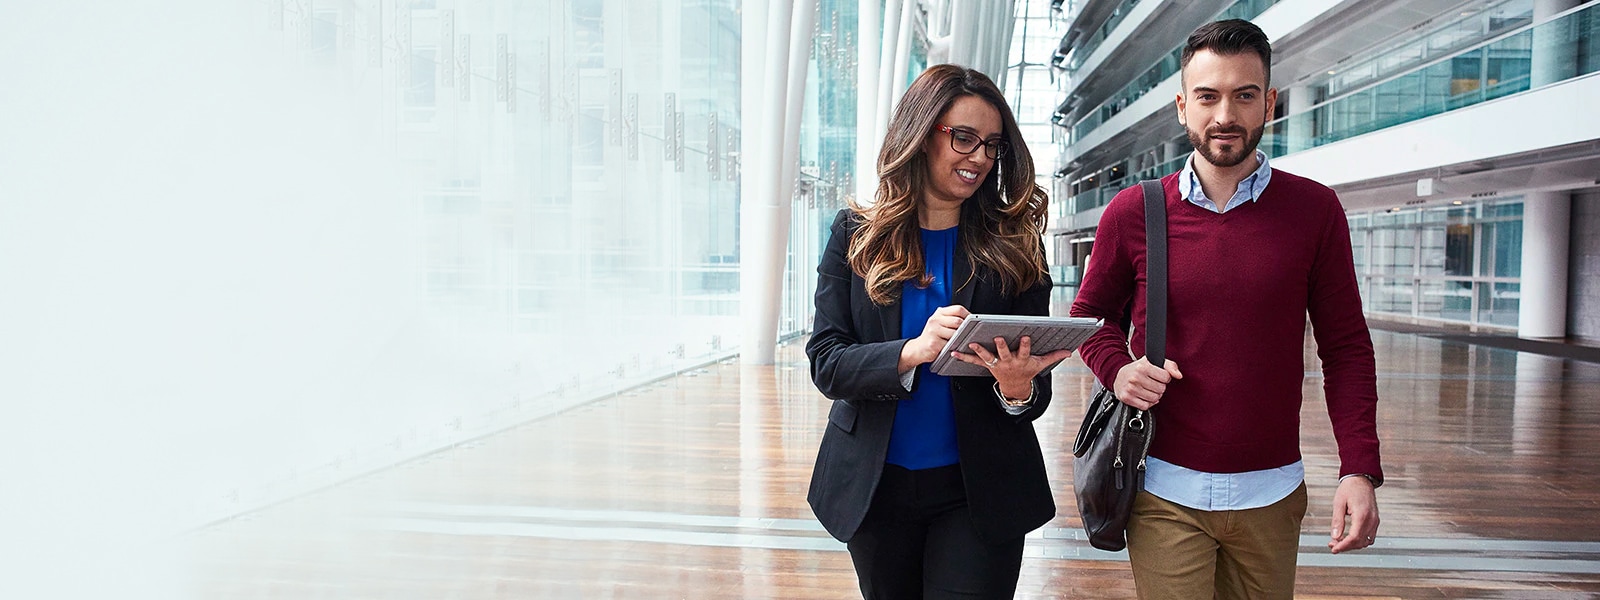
(1227, 38)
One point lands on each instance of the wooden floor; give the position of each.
(695, 488)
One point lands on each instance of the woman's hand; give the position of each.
(935, 334)
(1014, 371)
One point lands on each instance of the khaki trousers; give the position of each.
(1183, 553)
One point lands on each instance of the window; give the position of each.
(1458, 264)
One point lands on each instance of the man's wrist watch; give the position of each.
(1370, 479)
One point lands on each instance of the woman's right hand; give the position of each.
(925, 348)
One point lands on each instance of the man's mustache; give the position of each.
(1235, 130)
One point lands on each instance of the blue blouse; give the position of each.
(924, 434)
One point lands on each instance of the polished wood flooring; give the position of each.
(694, 487)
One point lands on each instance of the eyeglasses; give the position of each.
(967, 142)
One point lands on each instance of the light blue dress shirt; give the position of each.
(1249, 190)
(1222, 491)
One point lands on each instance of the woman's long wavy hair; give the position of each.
(1001, 223)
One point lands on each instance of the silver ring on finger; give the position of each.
(991, 362)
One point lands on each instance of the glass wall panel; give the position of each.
(827, 156)
(1405, 251)
(1456, 263)
(1498, 303)
(1459, 247)
(1361, 244)
(1430, 297)
(1391, 295)
(1508, 249)
(1383, 251)
(1455, 300)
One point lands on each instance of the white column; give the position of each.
(939, 21)
(1008, 28)
(938, 29)
(801, 37)
(892, 18)
(964, 31)
(982, 24)
(1546, 225)
(994, 38)
(1299, 119)
(869, 41)
(759, 305)
(752, 49)
(1555, 49)
(985, 56)
(754, 407)
(752, 108)
(902, 58)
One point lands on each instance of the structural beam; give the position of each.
(869, 38)
(760, 285)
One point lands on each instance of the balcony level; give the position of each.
(1528, 141)
(1145, 127)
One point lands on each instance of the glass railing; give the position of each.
(1080, 54)
(1165, 67)
(1557, 50)
(1102, 194)
(1466, 30)
(1134, 90)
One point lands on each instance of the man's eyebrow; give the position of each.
(1242, 88)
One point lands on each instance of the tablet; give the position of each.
(1046, 334)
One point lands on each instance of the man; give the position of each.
(1252, 252)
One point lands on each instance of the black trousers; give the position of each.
(918, 541)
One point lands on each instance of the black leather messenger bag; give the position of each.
(1108, 468)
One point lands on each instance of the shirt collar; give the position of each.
(1250, 188)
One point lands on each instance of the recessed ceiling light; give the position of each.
(1457, 203)
(1333, 72)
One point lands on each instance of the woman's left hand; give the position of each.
(1014, 371)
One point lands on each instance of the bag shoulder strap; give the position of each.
(1155, 266)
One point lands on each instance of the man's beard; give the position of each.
(1201, 143)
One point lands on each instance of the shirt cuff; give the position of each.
(909, 378)
(1012, 407)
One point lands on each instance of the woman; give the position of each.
(933, 481)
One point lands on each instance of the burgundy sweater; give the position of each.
(1240, 285)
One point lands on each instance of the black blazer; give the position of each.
(855, 354)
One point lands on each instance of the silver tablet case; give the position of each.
(1048, 334)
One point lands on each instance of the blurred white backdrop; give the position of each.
(249, 249)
